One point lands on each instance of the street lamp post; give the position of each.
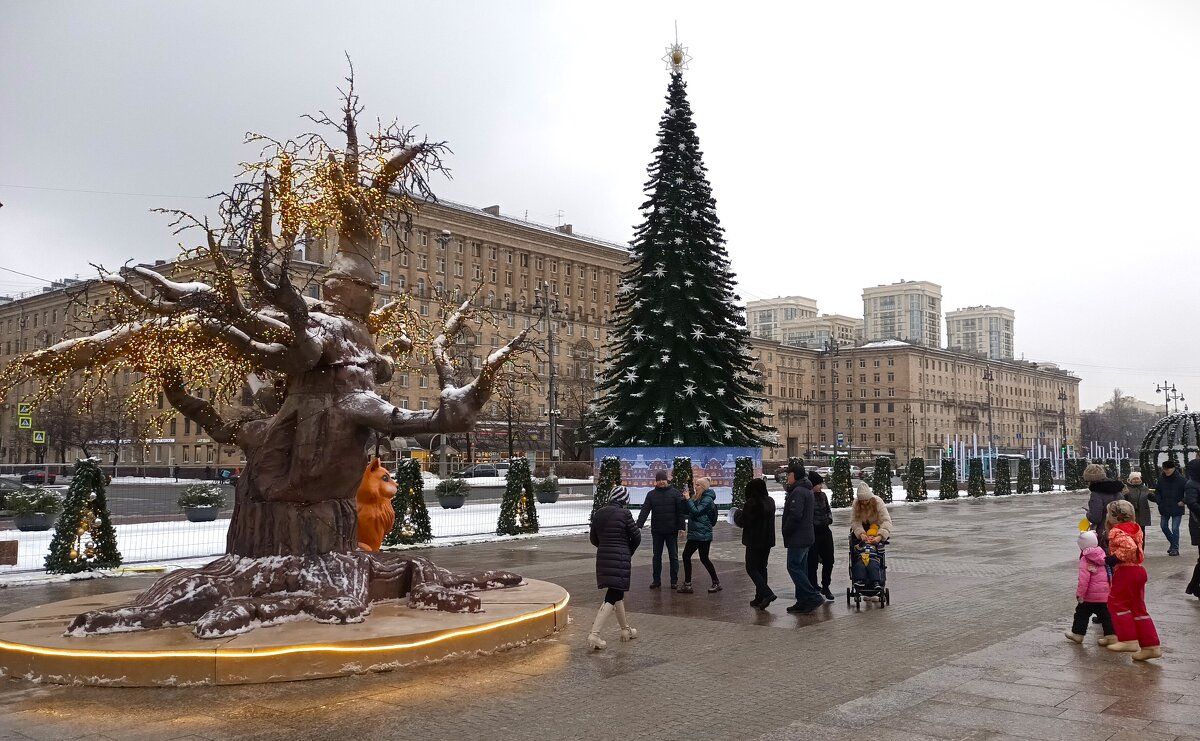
(988, 376)
(1170, 393)
(1062, 420)
(908, 448)
(549, 308)
(831, 352)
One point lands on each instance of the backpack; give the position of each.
(712, 515)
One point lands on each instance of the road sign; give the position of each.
(39, 437)
(840, 439)
(25, 423)
(24, 410)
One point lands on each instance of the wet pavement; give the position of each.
(971, 647)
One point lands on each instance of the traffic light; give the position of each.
(1064, 451)
(950, 451)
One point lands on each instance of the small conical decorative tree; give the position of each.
(881, 479)
(1001, 478)
(1045, 476)
(743, 471)
(1126, 469)
(841, 494)
(948, 485)
(681, 474)
(1110, 467)
(84, 539)
(975, 483)
(609, 479)
(412, 516)
(1025, 476)
(1075, 468)
(518, 509)
(914, 482)
(680, 370)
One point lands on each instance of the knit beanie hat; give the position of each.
(1120, 511)
(815, 478)
(863, 491)
(1094, 472)
(1088, 539)
(620, 495)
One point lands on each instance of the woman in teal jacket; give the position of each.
(702, 515)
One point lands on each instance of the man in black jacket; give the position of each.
(1168, 494)
(666, 504)
(798, 537)
(822, 549)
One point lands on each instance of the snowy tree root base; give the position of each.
(233, 595)
(34, 646)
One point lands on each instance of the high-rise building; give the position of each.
(767, 319)
(910, 310)
(986, 330)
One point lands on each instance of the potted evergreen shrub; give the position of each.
(546, 490)
(451, 493)
(201, 502)
(34, 509)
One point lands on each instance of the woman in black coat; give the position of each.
(757, 521)
(616, 537)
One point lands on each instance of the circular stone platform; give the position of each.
(33, 647)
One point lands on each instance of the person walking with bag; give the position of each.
(822, 548)
(702, 515)
(668, 518)
(757, 521)
(615, 536)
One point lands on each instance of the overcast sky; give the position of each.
(1040, 155)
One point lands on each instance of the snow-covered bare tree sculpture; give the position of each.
(314, 366)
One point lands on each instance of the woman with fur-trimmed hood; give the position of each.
(1104, 492)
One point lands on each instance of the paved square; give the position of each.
(970, 648)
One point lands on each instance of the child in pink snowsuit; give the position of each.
(1127, 598)
(1091, 593)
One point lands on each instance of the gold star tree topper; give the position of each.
(677, 56)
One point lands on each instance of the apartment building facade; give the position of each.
(907, 400)
(449, 251)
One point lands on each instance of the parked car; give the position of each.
(483, 471)
(38, 476)
(9, 486)
(867, 472)
(933, 473)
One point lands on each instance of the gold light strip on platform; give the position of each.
(269, 652)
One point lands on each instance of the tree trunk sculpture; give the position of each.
(292, 548)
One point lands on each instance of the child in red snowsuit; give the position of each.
(1127, 597)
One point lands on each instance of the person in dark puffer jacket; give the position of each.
(1168, 495)
(1191, 500)
(616, 537)
(757, 521)
(1104, 491)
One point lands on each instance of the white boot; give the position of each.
(593, 639)
(1106, 640)
(1153, 652)
(627, 633)
(1124, 646)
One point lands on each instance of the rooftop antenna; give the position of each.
(560, 214)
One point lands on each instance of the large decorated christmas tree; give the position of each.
(680, 369)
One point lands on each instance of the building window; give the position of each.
(441, 265)
(492, 275)
(492, 252)
(404, 259)
(524, 261)
(508, 277)
(553, 266)
(385, 278)
(538, 263)
(422, 262)
(424, 239)
(458, 269)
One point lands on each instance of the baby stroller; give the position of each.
(868, 573)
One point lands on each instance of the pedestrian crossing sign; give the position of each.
(25, 423)
(39, 437)
(24, 410)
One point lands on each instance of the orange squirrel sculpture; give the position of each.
(375, 513)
